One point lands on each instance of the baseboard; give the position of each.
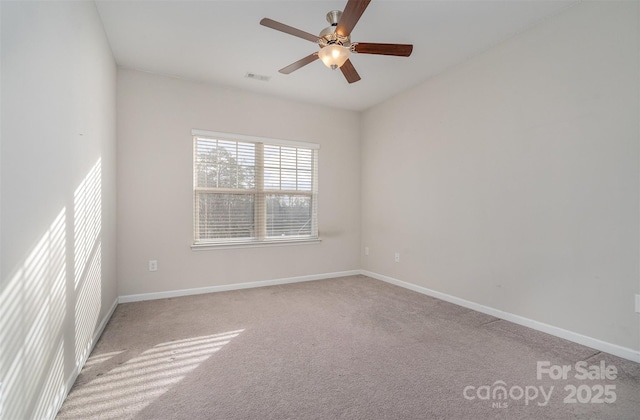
(228, 287)
(102, 326)
(616, 350)
(76, 371)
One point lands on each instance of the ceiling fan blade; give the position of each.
(349, 72)
(350, 16)
(299, 64)
(400, 50)
(269, 23)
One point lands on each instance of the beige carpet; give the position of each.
(352, 348)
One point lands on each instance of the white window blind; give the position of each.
(251, 190)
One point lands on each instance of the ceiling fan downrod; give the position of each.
(333, 17)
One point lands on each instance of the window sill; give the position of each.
(233, 245)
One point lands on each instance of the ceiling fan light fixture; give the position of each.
(335, 41)
(334, 55)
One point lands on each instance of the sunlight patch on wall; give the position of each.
(62, 271)
(53, 391)
(87, 227)
(127, 389)
(87, 209)
(88, 301)
(32, 309)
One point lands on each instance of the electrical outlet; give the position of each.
(397, 257)
(366, 250)
(153, 265)
(638, 304)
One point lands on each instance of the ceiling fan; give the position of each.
(335, 41)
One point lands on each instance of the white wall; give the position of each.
(512, 180)
(58, 199)
(155, 117)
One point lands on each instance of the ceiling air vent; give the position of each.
(257, 77)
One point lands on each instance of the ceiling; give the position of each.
(220, 42)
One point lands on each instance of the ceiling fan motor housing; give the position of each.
(328, 35)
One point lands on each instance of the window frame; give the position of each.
(259, 192)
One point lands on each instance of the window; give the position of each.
(253, 190)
